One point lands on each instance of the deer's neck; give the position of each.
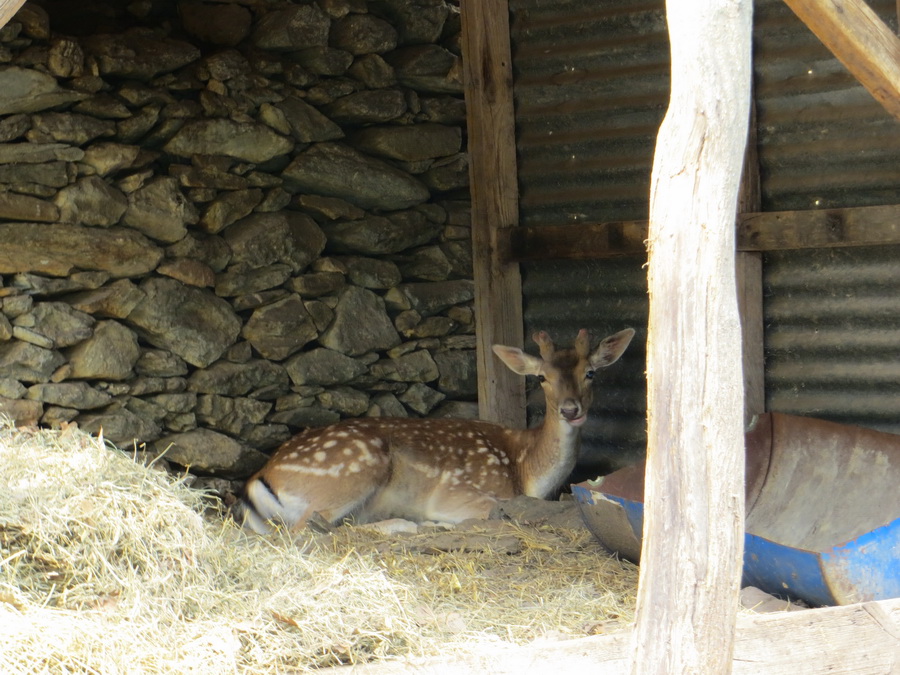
(545, 455)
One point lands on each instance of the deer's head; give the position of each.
(566, 375)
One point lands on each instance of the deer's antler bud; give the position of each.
(543, 341)
(583, 343)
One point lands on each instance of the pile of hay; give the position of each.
(108, 566)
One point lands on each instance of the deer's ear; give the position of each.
(518, 361)
(611, 348)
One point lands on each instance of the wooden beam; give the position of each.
(8, 9)
(694, 487)
(827, 228)
(575, 242)
(771, 231)
(861, 41)
(487, 67)
(861, 639)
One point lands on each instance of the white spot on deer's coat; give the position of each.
(335, 470)
(427, 469)
(320, 456)
(363, 446)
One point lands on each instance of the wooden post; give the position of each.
(749, 285)
(487, 66)
(694, 493)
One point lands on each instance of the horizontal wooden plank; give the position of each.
(772, 231)
(575, 242)
(828, 228)
(853, 640)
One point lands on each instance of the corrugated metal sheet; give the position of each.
(833, 334)
(591, 87)
(823, 140)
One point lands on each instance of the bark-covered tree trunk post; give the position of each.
(693, 527)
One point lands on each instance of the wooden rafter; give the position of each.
(8, 9)
(861, 41)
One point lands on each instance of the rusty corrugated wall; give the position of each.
(823, 140)
(833, 334)
(591, 87)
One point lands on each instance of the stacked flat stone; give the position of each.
(221, 223)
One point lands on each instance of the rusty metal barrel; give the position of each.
(822, 510)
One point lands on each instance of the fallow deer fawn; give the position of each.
(434, 469)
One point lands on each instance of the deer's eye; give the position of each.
(541, 379)
(589, 375)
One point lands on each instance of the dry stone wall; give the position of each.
(224, 222)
